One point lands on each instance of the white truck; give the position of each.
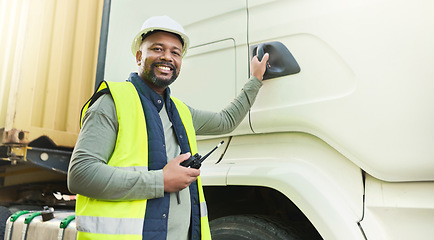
(339, 143)
(342, 148)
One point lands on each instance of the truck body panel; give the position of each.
(366, 82)
(318, 179)
(398, 210)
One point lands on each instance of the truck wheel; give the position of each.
(4, 215)
(245, 227)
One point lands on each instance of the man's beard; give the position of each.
(159, 82)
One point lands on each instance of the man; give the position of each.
(127, 173)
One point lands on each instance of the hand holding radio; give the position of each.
(177, 177)
(196, 160)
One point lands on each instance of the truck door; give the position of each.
(290, 101)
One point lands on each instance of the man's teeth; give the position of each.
(164, 68)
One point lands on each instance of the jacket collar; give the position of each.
(149, 93)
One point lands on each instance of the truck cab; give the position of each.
(339, 148)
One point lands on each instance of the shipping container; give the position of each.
(48, 65)
(48, 61)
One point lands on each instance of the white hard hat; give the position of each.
(163, 23)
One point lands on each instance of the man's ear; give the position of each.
(139, 58)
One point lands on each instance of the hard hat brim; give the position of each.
(138, 39)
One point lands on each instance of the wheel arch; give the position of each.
(305, 172)
(231, 200)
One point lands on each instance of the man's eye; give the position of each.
(157, 49)
(176, 53)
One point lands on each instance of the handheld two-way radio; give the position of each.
(196, 160)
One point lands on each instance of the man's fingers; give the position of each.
(265, 58)
(194, 173)
(182, 157)
(258, 68)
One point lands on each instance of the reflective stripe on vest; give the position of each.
(124, 220)
(123, 225)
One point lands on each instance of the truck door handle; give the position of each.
(281, 62)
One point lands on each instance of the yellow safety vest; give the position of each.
(115, 220)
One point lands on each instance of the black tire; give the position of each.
(246, 227)
(4, 215)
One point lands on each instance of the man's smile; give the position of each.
(164, 68)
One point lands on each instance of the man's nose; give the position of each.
(166, 56)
